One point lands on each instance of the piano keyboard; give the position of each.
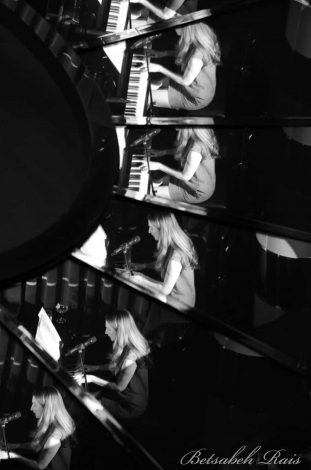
(137, 86)
(118, 15)
(138, 178)
(131, 176)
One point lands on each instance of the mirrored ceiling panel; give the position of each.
(250, 175)
(189, 367)
(253, 281)
(226, 66)
(31, 381)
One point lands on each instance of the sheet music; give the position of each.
(47, 335)
(115, 52)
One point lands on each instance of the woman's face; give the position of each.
(153, 230)
(110, 331)
(36, 408)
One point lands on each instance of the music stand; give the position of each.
(147, 154)
(149, 90)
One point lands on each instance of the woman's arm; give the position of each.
(122, 381)
(162, 13)
(172, 274)
(191, 72)
(192, 164)
(45, 456)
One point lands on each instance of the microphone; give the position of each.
(126, 246)
(145, 137)
(145, 41)
(10, 418)
(81, 346)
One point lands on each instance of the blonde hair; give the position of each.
(172, 237)
(201, 37)
(128, 341)
(204, 138)
(54, 414)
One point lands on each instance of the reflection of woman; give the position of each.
(51, 438)
(176, 260)
(198, 54)
(195, 181)
(166, 9)
(126, 394)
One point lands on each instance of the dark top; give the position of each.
(61, 461)
(201, 185)
(133, 400)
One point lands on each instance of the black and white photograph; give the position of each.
(155, 245)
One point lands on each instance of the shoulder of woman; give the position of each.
(196, 147)
(176, 255)
(197, 53)
(53, 440)
(129, 360)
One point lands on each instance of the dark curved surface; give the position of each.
(55, 171)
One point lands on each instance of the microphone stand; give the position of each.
(4, 440)
(127, 259)
(147, 154)
(149, 91)
(81, 357)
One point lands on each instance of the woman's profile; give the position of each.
(175, 260)
(50, 441)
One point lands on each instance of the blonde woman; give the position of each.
(175, 260)
(198, 54)
(125, 395)
(50, 440)
(195, 181)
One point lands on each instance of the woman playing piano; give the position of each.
(175, 261)
(50, 440)
(198, 54)
(195, 182)
(125, 395)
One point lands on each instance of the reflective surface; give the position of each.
(249, 71)
(25, 369)
(210, 377)
(252, 281)
(243, 174)
(57, 149)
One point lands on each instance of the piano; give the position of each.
(132, 82)
(110, 16)
(137, 90)
(118, 17)
(131, 176)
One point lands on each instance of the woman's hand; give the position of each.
(4, 455)
(79, 377)
(136, 278)
(155, 68)
(155, 166)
